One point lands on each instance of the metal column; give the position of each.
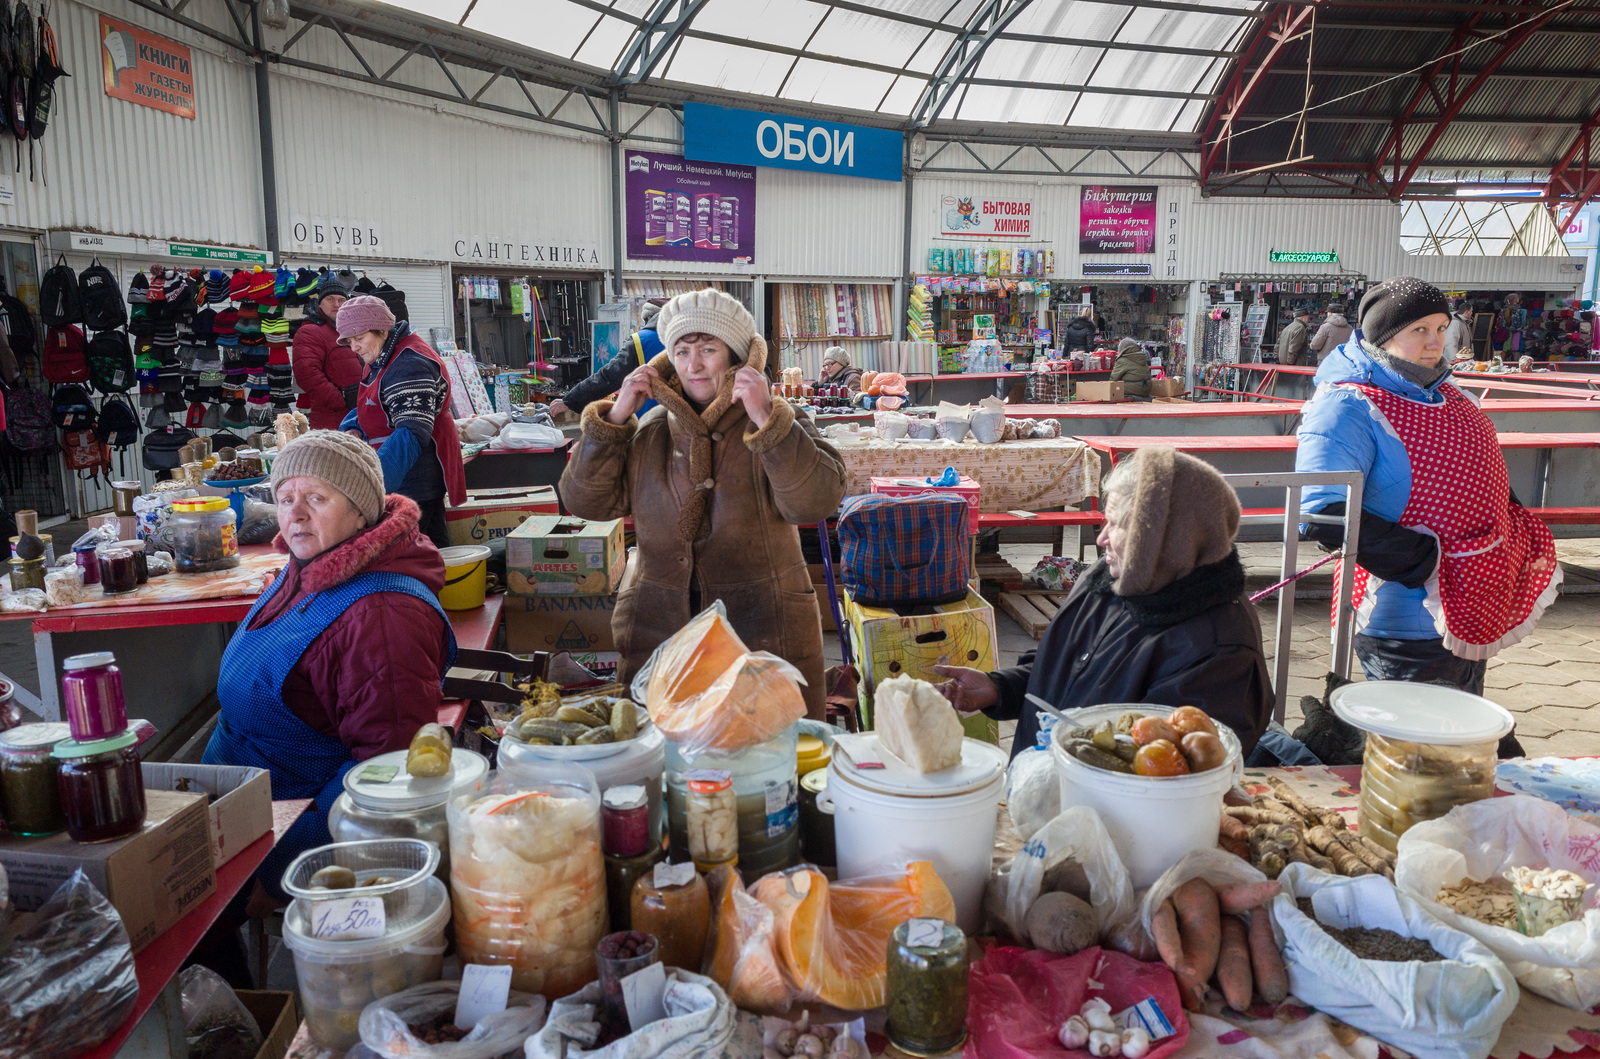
(616, 202)
(269, 165)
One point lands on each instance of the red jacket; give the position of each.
(322, 369)
(372, 678)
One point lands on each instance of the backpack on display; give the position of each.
(395, 299)
(110, 362)
(84, 452)
(22, 45)
(161, 448)
(7, 59)
(46, 71)
(71, 408)
(100, 299)
(904, 550)
(58, 296)
(17, 322)
(118, 424)
(65, 356)
(28, 427)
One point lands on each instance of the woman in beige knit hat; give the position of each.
(716, 479)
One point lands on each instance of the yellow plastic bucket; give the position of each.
(465, 568)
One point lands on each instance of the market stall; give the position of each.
(1030, 475)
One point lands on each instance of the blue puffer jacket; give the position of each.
(1338, 432)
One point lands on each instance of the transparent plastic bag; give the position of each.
(260, 523)
(1217, 867)
(1482, 839)
(216, 1024)
(67, 981)
(741, 951)
(1033, 791)
(706, 690)
(386, 1024)
(1079, 833)
(1449, 1008)
(891, 426)
(519, 436)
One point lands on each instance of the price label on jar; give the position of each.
(924, 933)
(783, 808)
(348, 918)
(673, 875)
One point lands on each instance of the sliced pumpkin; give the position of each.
(741, 953)
(692, 660)
(834, 939)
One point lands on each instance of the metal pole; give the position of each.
(905, 260)
(1344, 619)
(616, 201)
(1291, 561)
(269, 167)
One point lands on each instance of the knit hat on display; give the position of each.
(1389, 307)
(138, 288)
(196, 417)
(1183, 514)
(216, 287)
(838, 355)
(707, 312)
(342, 460)
(361, 314)
(213, 417)
(305, 284)
(1129, 345)
(238, 284)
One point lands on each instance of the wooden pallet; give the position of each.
(1032, 609)
(992, 567)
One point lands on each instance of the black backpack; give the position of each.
(71, 407)
(118, 423)
(161, 448)
(17, 322)
(395, 299)
(110, 362)
(22, 44)
(47, 70)
(58, 295)
(100, 299)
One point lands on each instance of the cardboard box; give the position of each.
(969, 489)
(1099, 391)
(1166, 388)
(241, 811)
(275, 1013)
(552, 555)
(558, 623)
(153, 878)
(491, 513)
(955, 634)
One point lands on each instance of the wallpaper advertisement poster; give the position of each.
(987, 218)
(681, 210)
(1117, 219)
(143, 68)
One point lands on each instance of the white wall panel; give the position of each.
(817, 224)
(112, 166)
(1550, 275)
(1237, 235)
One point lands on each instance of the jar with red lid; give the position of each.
(91, 696)
(102, 788)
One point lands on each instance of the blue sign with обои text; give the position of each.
(754, 137)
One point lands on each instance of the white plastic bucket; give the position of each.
(878, 833)
(1152, 820)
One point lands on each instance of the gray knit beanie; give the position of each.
(1396, 304)
(838, 355)
(707, 312)
(342, 460)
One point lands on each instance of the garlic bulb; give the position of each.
(1102, 1043)
(1074, 1033)
(1135, 1043)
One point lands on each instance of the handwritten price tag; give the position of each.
(641, 995)
(673, 875)
(484, 991)
(349, 918)
(924, 933)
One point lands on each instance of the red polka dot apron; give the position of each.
(1497, 563)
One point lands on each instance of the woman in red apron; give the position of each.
(403, 410)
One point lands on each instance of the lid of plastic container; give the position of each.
(980, 763)
(810, 749)
(423, 918)
(382, 784)
(132, 546)
(1421, 713)
(35, 737)
(462, 554)
(70, 748)
(90, 660)
(201, 503)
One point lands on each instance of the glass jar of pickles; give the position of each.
(927, 987)
(102, 789)
(712, 816)
(30, 798)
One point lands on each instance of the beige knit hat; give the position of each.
(838, 354)
(1183, 514)
(342, 460)
(707, 312)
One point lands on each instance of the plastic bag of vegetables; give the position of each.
(1077, 834)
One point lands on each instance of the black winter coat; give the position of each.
(1080, 333)
(1196, 642)
(608, 380)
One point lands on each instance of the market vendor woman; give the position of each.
(716, 479)
(342, 656)
(1162, 618)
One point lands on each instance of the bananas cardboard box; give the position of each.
(554, 555)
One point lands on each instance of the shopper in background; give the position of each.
(403, 410)
(837, 370)
(1132, 369)
(1162, 618)
(1458, 338)
(1334, 332)
(326, 372)
(1450, 568)
(339, 660)
(716, 480)
(1293, 343)
(1080, 331)
(636, 352)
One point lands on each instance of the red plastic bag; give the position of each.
(1018, 998)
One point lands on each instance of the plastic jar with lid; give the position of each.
(768, 798)
(672, 903)
(712, 817)
(102, 789)
(926, 987)
(381, 800)
(30, 795)
(202, 531)
(91, 696)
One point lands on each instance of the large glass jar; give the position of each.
(672, 903)
(202, 533)
(30, 797)
(529, 879)
(768, 798)
(1404, 783)
(102, 789)
(381, 800)
(926, 987)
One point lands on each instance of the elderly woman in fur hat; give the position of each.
(716, 478)
(1161, 618)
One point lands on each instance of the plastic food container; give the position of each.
(202, 532)
(381, 800)
(638, 761)
(102, 787)
(1429, 749)
(466, 569)
(339, 977)
(30, 795)
(767, 790)
(883, 818)
(1153, 820)
(392, 868)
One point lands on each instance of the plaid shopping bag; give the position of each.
(904, 550)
